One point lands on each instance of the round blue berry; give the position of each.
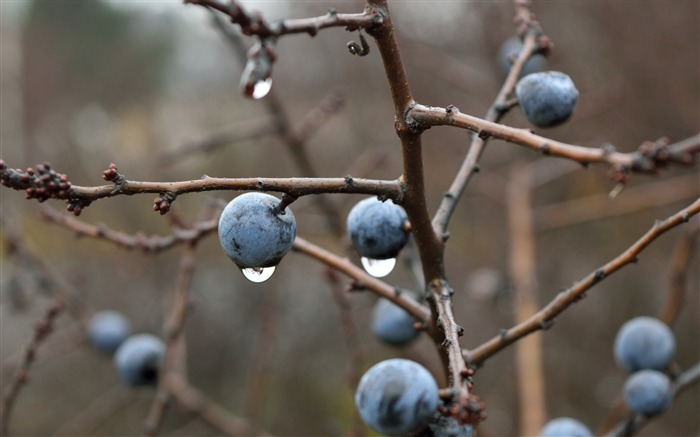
(139, 358)
(565, 427)
(392, 324)
(377, 229)
(644, 343)
(509, 51)
(546, 99)
(648, 392)
(106, 330)
(397, 397)
(254, 232)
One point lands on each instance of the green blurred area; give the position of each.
(88, 83)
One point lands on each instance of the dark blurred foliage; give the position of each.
(102, 84)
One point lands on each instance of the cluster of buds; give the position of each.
(40, 182)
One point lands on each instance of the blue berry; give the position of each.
(546, 99)
(565, 427)
(254, 233)
(509, 51)
(377, 229)
(648, 392)
(397, 397)
(644, 343)
(392, 324)
(139, 358)
(106, 330)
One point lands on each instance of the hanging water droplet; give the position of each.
(261, 88)
(378, 267)
(258, 274)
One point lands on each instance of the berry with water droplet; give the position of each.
(377, 229)
(253, 231)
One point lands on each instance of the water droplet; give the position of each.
(378, 267)
(258, 274)
(261, 88)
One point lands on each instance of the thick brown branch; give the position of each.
(544, 318)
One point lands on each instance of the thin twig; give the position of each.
(522, 260)
(680, 263)
(42, 329)
(148, 244)
(175, 358)
(194, 401)
(544, 318)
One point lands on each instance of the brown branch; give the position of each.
(42, 329)
(194, 401)
(544, 318)
(478, 143)
(531, 380)
(631, 200)
(147, 244)
(680, 263)
(644, 160)
(79, 197)
(363, 280)
(254, 24)
(235, 133)
(175, 358)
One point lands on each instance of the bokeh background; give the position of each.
(84, 84)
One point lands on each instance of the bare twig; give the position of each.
(174, 361)
(645, 160)
(42, 329)
(79, 197)
(531, 391)
(544, 318)
(680, 263)
(254, 24)
(364, 280)
(148, 244)
(633, 199)
(192, 400)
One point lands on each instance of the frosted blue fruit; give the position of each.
(397, 397)
(254, 233)
(377, 229)
(139, 358)
(644, 343)
(565, 427)
(648, 392)
(106, 330)
(546, 99)
(510, 49)
(392, 324)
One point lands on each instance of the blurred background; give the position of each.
(84, 84)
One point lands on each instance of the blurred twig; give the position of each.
(214, 414)
(42, 329)
(531, 390)
(101, 407)
(544, 318)
(680, 263)
(148, 244)
(175, 358)
(632, 199)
